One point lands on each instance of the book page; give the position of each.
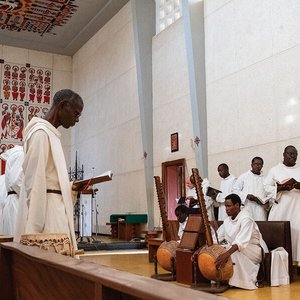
(96, 179)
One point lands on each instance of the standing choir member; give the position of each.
(14, 158)
(250, 187)
(226, 188)
(46, 202)
(283, 182)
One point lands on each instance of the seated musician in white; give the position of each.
(181, 213)
(244, 243)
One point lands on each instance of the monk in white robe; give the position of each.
(181, 213)
(3, 194)
(192, 195)
(46, 203)
(226, 188)
(241, 236)
(250, 187)
(13, 179)
(286, 197)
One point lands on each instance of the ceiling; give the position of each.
(56, 26)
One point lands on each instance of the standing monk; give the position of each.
(250, 187)
(286, 196)
(226, 188)
(46, 200)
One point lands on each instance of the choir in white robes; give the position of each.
(286, 206)
(226, 187)
(244, 232)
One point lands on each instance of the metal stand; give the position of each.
(96, 216)
(76, 173)
(167, 276)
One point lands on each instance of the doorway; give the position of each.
(173, 179)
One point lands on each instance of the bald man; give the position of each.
(46, 200)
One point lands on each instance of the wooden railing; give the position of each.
(31, 273)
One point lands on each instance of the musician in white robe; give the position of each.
(226, 188)
(46, 204)
(13, 179)
(181, 213)
(250, 187)
(192, 196)
(244, 242)
(3, 194)
(286, 206)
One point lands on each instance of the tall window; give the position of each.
(167, 12)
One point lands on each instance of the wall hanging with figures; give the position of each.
(25, 92)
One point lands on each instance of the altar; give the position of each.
(127, 226)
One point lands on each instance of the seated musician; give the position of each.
(244, 242)
(181, 213)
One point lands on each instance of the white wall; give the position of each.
(253, 81)
(108, 136)
(171, 100)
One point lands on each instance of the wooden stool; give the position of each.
(153, 245)
(113, 229)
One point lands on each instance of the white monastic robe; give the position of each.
(13, 180)
(3, 194)
(286, 206)
(250, 183)
(181, 228)
(191, 193)
(208, 201)
(44, 168)
(226, 188)
(244, 232)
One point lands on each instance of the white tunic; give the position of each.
(250, 183)
(44, 168)
(287, 207)
(3, 194)
(244, 232)
(181, 229)
(13, 181)
(226, 188)
(208, 201)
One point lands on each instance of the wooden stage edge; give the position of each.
(31, 273)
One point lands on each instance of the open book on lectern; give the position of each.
(107, 176)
